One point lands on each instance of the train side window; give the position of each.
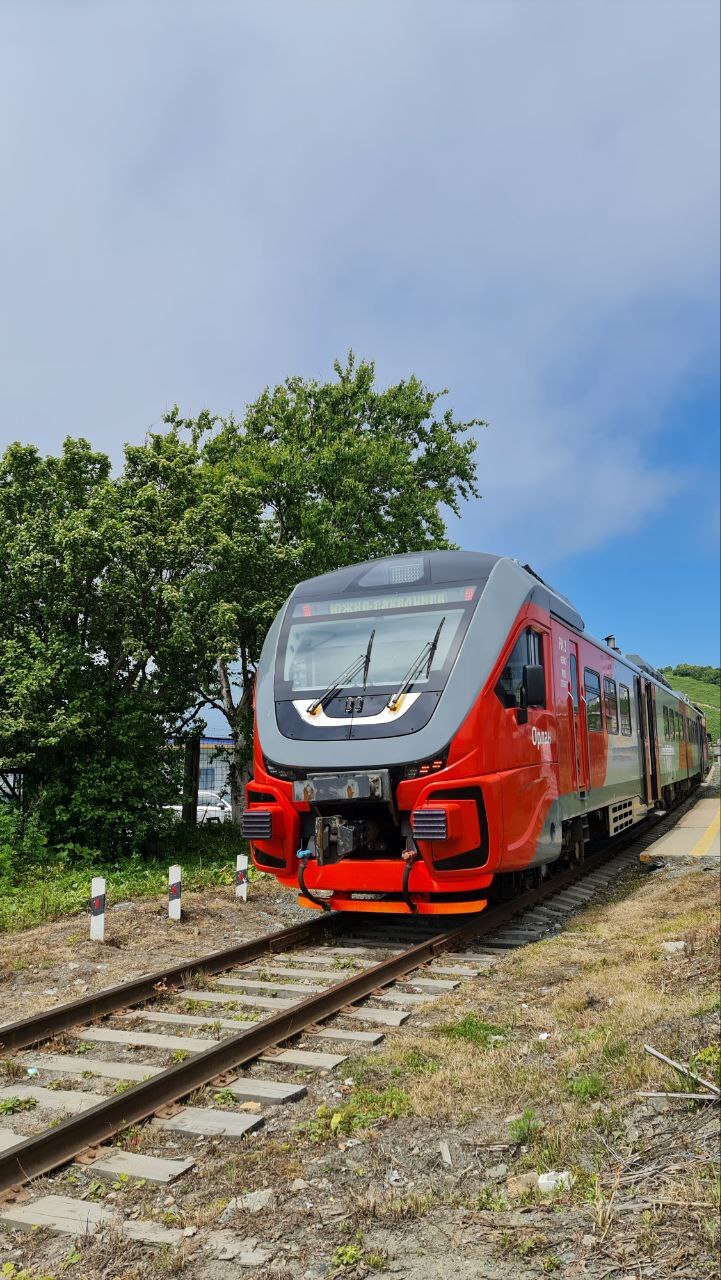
(625, 701)
(666, 733)
(611, 704)
(594, 718)
(527, 651)
(509, 686)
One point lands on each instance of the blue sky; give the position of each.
(515, 200)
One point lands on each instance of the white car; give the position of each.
(211, 808)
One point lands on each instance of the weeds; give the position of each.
(473, 1030)
(346, 1255)
(708, 1060)
(523, 1128)
(588, 1086)
(360, 1112)
(14, 1070)
(224, 1098)
(491, 1200)
(395, 1207)
(10, 1106)
(526, 1248)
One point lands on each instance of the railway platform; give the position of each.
(695, 838)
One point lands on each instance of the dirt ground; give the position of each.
(55, 962)
(419, 1159)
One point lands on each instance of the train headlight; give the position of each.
(282, 771)
(421, 768)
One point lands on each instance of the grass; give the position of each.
(524, 1127)
(603, 990)
(362, 1110)
(589, 1086)
(473, 1030)
(35, 899)
(707, 696)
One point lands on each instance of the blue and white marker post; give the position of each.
(241, 877)
(174, 893)
(97, 909)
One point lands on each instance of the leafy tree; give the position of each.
(129, 604)
(96, 655)
(331, 472)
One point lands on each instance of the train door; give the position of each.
(579, 757)
(647, 730)
(685, 748)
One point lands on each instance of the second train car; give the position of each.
(436, 728)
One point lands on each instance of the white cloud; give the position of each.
(518, 201)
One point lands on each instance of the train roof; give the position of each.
(431, 568)
(406, 569)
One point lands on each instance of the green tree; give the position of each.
(96, 624)
(334, 472)
(131, 603)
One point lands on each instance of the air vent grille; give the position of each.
(429, 824)
(256, 824)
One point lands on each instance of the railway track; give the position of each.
(297, 978)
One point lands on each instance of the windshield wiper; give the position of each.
(362, 663)
(424, 659)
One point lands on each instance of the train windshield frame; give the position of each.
(321, 638)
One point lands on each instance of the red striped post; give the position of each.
(241, 877)
(97, 909)
(174, 893)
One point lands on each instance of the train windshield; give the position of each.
(326, 637)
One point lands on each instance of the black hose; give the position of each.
(319, 902)
(412, 906)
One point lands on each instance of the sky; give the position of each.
(515, 200)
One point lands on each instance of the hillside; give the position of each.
(705, 694)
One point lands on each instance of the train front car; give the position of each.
(404, 752)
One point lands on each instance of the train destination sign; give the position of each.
(376, 604)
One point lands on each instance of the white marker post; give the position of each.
(174, 893)
(241, 877)
(97, 909)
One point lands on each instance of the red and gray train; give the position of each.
(436, 729)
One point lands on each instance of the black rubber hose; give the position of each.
(319, 902)
(412, 906)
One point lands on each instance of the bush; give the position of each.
(22, 842)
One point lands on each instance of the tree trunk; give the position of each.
(191, 778)
(234, 713)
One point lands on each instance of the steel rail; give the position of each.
(41, 1026)
(56, 1146)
